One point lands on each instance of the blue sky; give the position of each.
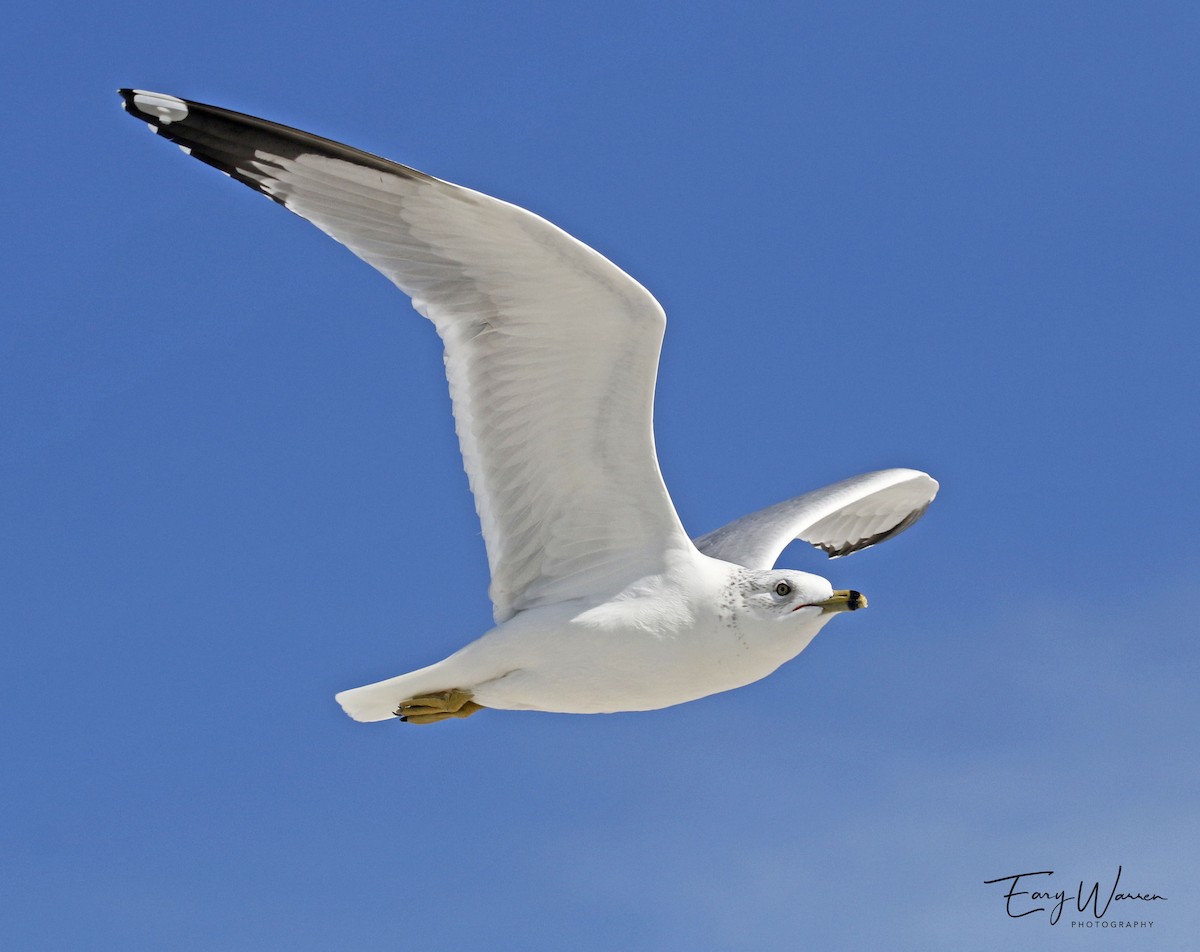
(961, 236)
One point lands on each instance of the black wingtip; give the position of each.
(244, 147)
(221, 138)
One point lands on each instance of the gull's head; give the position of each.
(788, 596)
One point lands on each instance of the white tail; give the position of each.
(378, 701)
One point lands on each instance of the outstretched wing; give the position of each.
(841, 518)
(551, 350)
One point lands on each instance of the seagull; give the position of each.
(602, 603)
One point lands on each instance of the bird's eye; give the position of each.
(782, 588)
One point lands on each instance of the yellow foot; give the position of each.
(431, 708)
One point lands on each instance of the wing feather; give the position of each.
(551, 351)
(839, 519)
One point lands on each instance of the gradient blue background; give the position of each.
(956, 236)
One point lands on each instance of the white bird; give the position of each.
(602, 602)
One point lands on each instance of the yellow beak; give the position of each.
(846, 600)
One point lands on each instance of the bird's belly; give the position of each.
(594, 672)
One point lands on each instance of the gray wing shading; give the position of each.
(841, 518)
(551, 351)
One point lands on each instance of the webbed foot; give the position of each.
(431, 708)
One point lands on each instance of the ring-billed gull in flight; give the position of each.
(602, 602)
